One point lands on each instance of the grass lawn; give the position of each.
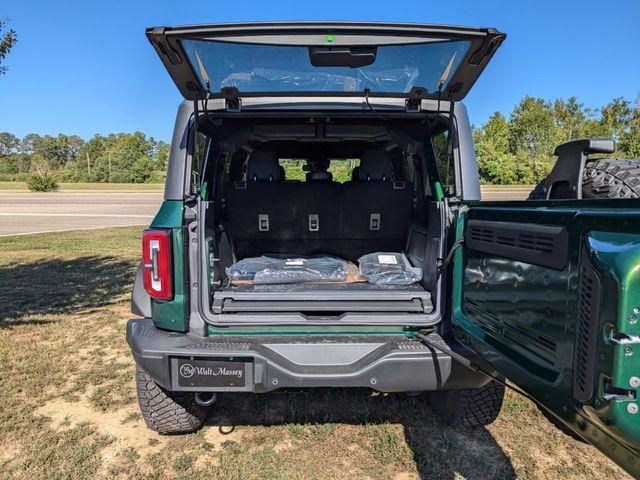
(68, 406)
(89, 186)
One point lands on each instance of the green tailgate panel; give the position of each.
(549, 329)
(171, 315)
(616, 258)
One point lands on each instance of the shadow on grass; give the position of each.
(57, 286)
(439, 451)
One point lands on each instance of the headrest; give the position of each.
(376, 165)
(355, 174)
(319, 176)
(263, 166)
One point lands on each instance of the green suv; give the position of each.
(344, 139)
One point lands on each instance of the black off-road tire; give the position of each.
(469, 408)
(167, 412)
(606, 178)
(612, 178)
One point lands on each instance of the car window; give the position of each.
(440, 143)
(293, 168)
(341, 169)
(278, 68)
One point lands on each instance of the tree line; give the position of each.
(518, 149)
(511, 150)
(117, 158)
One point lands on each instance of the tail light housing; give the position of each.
(158, 265)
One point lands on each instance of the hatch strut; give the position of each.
(196, 140)
(428, 342)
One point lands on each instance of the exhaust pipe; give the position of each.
(205, 399)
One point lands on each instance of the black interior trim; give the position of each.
(544, 245)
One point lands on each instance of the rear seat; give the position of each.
(377, 208)
(268, 215)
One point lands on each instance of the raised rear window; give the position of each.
(286, 68)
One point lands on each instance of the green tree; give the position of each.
(616, 117)
(495, 160)
(8, 144)
(9, 157)
(7, 40)
(142, 170)
(162, 155)
(58, 151)
(533, 136)
(570, 117)
(629, 144)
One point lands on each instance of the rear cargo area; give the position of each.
(290, 197)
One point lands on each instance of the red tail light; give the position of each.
(157, 260)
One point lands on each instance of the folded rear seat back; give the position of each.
(268, 215)
(376, 208)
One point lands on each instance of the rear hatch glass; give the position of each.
(316, 59)
(278, 69)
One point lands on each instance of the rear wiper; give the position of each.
(443, 79)
(447, 71)
(203, 72)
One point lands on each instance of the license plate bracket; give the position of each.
(199, 374)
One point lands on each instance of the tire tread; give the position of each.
(167, 412)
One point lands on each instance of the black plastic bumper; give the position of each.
(387, 363)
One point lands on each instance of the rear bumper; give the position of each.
(386, 363)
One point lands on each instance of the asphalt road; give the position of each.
(23, 212)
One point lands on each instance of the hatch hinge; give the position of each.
(160, 39)
(413, 103)
(488, 47)
(232, 100)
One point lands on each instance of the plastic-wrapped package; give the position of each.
(387, 268)
(275, 269)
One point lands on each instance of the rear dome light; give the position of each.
(157, 261)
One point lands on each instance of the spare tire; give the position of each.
(605, 178)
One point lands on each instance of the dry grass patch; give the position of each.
(68, 408)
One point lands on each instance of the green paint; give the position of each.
(171, 314)
(618, 262)
(169, 215)
(329, 38)
(523, 317)
(439, 191)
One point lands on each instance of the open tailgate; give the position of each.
(324, 59)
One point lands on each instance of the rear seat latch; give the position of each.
(263, 222)
(314, 222)
(374, 221)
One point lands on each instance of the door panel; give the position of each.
(562, 323)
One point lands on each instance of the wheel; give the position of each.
(611, 178)
(469, 408)
(606, 178)
(167, 412)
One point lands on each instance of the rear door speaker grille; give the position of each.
(545, 245)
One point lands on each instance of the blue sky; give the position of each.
(86, 67)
